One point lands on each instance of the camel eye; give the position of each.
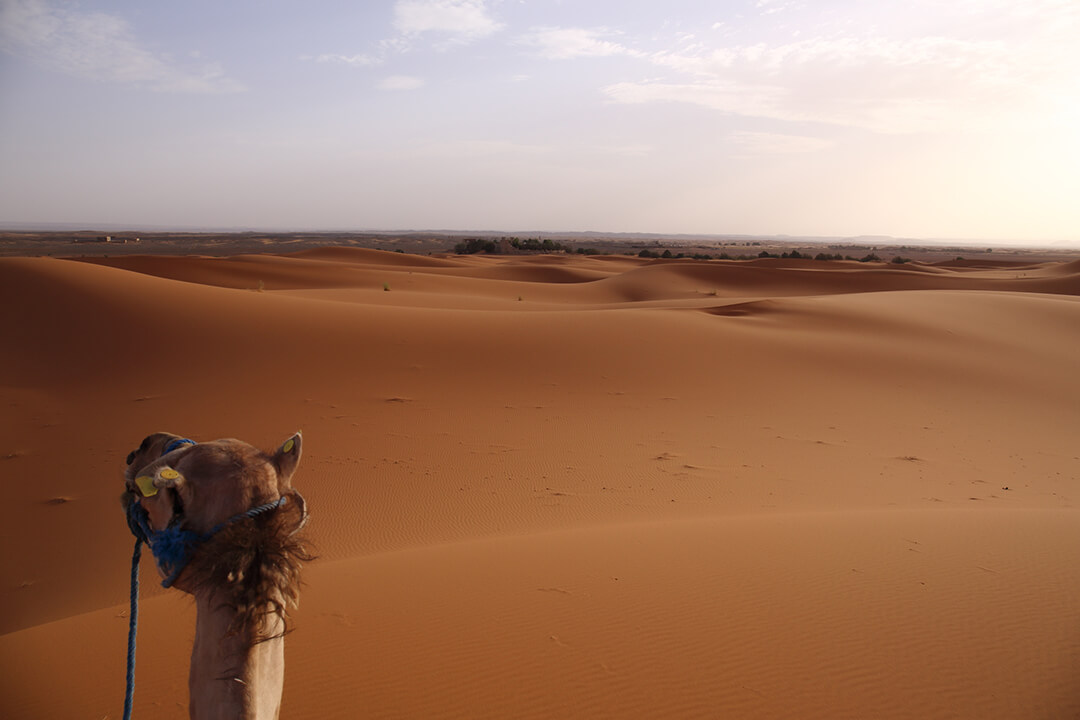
(131, 457)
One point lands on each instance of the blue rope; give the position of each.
(133, 626)
(246, 514)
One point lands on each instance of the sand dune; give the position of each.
(825, 489)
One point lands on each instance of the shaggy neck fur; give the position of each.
(244, 580)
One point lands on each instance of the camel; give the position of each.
(191, 501)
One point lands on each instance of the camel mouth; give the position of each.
(132, 488)
(177, 510)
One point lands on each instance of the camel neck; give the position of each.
(231, 677)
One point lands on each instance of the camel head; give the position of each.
(222, 520)
(194, 488)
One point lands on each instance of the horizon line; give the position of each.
(61, 227)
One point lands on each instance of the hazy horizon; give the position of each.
(911, 120)
(579, 235)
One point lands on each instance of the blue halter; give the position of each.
(177, 443)
(174, 546)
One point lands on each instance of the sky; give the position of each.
(910, 118)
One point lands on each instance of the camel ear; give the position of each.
(287, 458)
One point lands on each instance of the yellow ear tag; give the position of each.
(168, 474)
(288, 446)
(146, 485)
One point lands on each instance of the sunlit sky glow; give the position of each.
(913, 118)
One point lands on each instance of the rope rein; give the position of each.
(133, 625)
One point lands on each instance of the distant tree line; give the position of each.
(794, 254)
(514, 245)
(476, 245)
(696, 256)
(505, 245)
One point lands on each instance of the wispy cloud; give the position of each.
(401, 82)
(882, 85)
(510, 149)
(475, 149)
(559, 43)
(772, 7)
(451, 22)
(462, 21)
(358, 60)
(863, 78)
(382, 51)
(629, 151)
(766, 143)
(98, 46)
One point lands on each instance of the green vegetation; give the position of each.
(683, 256)
(476, 245)
(514, 245)
(506, 245)
(795, 254)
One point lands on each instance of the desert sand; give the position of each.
(566, 486)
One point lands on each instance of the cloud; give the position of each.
(475, 149)
(630, 151)
(458, 22)
(357, 60)
(771, 7)
(463, 20)
(882, 115)
(874, 83)
(382, 50)
(718, 96)
(565, 43)
(97, 46)
(401, 82)
(766, 143)
(980, 62)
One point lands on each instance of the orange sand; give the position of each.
(554, 487)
